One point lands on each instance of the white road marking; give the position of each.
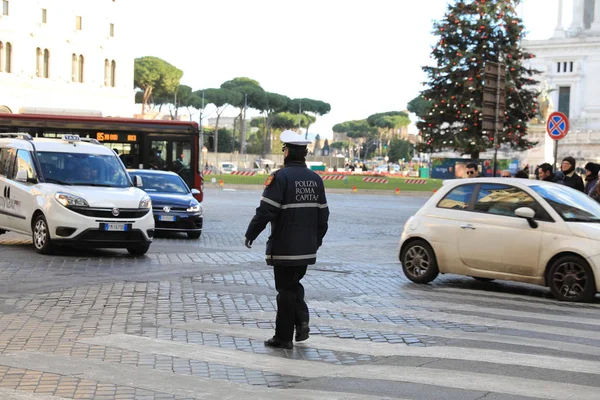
(439, 332)
(311, 369)
(12, 394)
(487, 297)
(456, 318)
(387, 349)
(159, 381)
(592, 320)
(483, 295)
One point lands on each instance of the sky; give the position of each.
(362, 57)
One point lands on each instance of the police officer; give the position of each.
(294, 203)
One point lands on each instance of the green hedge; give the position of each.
(353, 180)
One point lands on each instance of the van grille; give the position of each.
(124, 213)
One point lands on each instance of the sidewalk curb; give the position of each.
(331, 191)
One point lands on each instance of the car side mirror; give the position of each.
(195, 192)
(21, 176)
(137, 181)
(528, 214)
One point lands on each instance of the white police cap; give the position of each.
(291, 137)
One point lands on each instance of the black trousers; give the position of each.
(291, 307)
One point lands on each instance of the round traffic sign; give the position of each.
(557, 125)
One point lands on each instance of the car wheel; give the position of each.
(41, 236)
(480, 279)
(418, 262)
(194, 235)
(571, 279)
(138, 250)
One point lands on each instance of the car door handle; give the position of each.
(467, 226)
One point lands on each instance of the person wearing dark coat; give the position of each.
(294, 202)
(591, 176)
(545, 173)
(522, 174)
(571, 178)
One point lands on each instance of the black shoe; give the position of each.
(302, 332)
(278, 343)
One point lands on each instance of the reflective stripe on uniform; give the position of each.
(271, 202)
(304, 205)
(300, 257)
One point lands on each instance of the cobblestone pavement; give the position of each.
(188, 320)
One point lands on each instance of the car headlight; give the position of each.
(70, 200)
(146, 202)
(195, 208)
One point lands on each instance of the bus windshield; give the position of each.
(83, 169)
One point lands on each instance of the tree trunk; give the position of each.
(242, 131)
(265, 143)
(233, 134)
(146, 97)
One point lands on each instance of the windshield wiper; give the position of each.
(52, 180)
(94, 184)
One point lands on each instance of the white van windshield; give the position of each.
(82, 169)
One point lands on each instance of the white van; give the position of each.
(71, 191)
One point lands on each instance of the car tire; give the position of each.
(418, 262)
(138, 250)
(41, 236)
(571, 279)
(480, 279)
(194, 235)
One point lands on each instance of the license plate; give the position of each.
(166, 218)
(115, 227)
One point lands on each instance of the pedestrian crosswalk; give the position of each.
(478, 344)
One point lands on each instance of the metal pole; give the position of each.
(555, 155)
(496, 120)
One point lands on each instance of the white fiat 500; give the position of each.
(512, 229)
(71, 191)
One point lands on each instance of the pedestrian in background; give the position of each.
(294, 202)
(522, 174)
(591, 176)
(571, 178)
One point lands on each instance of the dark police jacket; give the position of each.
(294, 203)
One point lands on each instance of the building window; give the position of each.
(7, 58)
(110, 73)
(44, 15)
(78, 23)
(106, 72)
(111, 30)
(565, 66)
(4, 7)
(564, 99)
(38, 62)
(74, 67)
(113, 73)
(42, 63)
(77, 62)
(46, 63)
(80, 68)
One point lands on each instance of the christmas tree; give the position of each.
(472, 33)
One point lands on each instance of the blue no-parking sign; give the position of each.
(557, 125)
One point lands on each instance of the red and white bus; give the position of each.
(140, 143)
